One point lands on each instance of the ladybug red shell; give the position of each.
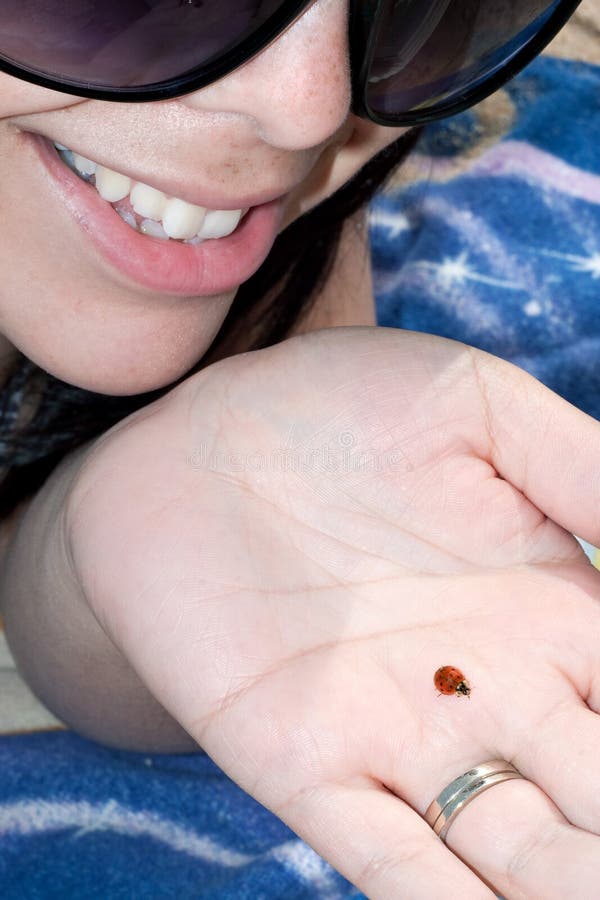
(450, 680)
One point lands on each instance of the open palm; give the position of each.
(300, 536)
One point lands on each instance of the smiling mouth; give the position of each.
(150, 211)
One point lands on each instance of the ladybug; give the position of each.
(450, 680)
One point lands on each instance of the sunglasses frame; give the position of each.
(362, 44)
(193, 80)
(363, 31)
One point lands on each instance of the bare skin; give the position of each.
(63, 305)
(46, 309)
(290, 623)
(291, 619)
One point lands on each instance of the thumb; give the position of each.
(541, 443)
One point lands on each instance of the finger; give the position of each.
(564, 757)
(379, 844)
(518, 841)
(543, 445)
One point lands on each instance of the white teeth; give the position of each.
(219, 223)
(84, 166)
(163, 217)
(181, 219)
(195, 240)
(147, 201)
(111, 185)
(128, 217)
(154, 229)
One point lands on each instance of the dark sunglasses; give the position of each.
(412, 61)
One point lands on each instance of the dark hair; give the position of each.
(263, 312)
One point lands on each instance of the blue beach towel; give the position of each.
(497, 244)
(491, 240)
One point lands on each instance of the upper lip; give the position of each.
(185, 190)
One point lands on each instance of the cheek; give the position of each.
(18, 98)
(357, 143)
(65, 315)
(365, 142)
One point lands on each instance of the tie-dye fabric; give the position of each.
(497, 242)
(491, 236)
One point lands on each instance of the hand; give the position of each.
(292, 620)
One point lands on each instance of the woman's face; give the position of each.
(106, 308)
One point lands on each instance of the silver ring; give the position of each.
(443, 810)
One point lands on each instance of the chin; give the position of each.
(100, 351)
(111, 386)
(120, 376)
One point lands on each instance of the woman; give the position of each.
(273, 558)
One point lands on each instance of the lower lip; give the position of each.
(186, 270)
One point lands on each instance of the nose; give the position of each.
(295, 93)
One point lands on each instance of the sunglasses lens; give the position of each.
(428, 55)
(124, 43)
